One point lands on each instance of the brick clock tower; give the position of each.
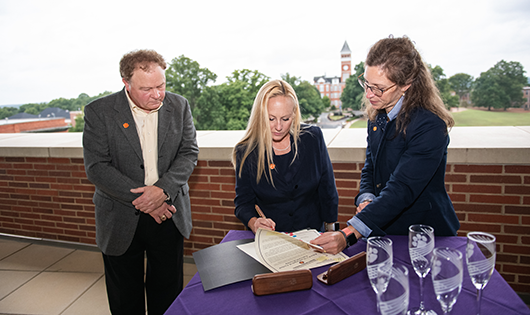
(332, 87)
(345, 62)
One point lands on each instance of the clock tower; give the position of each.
(345, 62)
(332, 87)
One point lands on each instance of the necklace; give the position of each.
(287, 147)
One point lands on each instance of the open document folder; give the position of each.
(288, 251)
(224, 264)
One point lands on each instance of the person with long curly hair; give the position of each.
(403, 178)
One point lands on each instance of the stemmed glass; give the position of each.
(395, 300)
(421, 245)
(379, 263)
(480, 259)
(447, 273)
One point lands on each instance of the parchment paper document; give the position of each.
(290, 251)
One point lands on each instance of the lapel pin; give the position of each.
(125, 125)
(375, 128)
(272, 166)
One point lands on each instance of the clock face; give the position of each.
(345, 67)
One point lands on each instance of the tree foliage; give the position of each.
(7, 112)
(442, 83)
(73, 104)
(501, 86)
(311, 105)
(185, 77)
(79, 122)
(353, 93)
(228, 106)
(461, 83)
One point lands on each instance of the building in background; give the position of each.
(526, 94)
(332, 87)
(51, 119)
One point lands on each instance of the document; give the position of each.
(288, 251)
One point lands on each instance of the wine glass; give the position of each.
(379, 263)
(395, 299)
(447, 273)
(421, 245)
(480, 259)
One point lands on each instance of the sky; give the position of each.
(56, 48)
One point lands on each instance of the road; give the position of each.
(325, 123)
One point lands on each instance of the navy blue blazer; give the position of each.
(307, 200)
(406, 173)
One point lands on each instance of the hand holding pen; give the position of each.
(261, 222)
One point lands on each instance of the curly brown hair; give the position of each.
(403, 65)
(139, 59)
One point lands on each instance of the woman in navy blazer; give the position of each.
(402, 181)
(283, 167)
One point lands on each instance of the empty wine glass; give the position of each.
(395, 299)
(447, 273)
(480, 259)
(421, 245)
(379, 263)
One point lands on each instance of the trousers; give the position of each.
(162, 247)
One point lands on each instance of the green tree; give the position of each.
(326, 101)
(210, 114)
(7, 112)
(33, 108)
(228, 106)
(79, 122)
(185, 77)
(501, 86)
(311, 105)
(488, 93)
(461, 83)
(73, 104)
(442, 83)
(238, 96)
(353, 93)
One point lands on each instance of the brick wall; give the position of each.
(46, 198)
(51, 198)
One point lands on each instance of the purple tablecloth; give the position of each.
(353, 295)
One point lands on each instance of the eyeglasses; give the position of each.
(377, 91)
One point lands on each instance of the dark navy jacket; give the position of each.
(306, 201)
(406, 173)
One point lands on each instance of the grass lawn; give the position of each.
(473, 117)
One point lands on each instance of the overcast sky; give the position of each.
(54, 48)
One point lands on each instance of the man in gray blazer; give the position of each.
(139, 149)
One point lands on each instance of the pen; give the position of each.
(260, 212)
(262, 215)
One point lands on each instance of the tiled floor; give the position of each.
(40, 277)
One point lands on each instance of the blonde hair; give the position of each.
(403, 65)
(258, 133)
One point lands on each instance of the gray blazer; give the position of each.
(114, 164)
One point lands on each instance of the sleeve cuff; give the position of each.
(360, 226)
(364, 197)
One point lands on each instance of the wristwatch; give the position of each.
(349, 236)
(332, 226)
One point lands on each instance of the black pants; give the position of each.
(163, 245)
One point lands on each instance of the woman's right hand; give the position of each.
(362, 205)
(255, 223)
